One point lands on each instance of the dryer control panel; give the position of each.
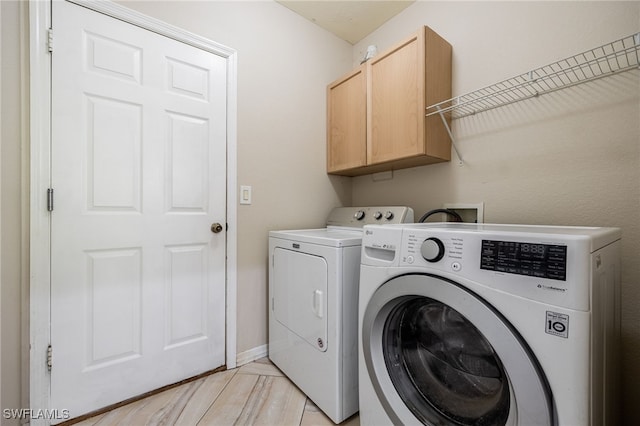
(358, 217)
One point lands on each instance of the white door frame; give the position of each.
(40, 174)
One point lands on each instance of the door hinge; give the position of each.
(50, 199)
(50, 39)
(49, 358)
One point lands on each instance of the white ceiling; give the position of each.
(351, 20)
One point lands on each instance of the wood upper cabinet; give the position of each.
(400, 83)
(347, 122)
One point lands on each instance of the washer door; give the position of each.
(439, 354)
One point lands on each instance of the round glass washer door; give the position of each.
(439, 354)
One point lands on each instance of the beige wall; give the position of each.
(571, 157)
(13, 279)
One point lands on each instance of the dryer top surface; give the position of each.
(330, 236)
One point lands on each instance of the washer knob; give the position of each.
(432, 249)
(359, 215)
(388, 215)
(377, 215)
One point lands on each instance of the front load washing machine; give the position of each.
(479, 324)
(313, 297)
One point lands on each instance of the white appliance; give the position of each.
(478, 324)
(313, 297)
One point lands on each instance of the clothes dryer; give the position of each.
(313, 298)
(479, 324)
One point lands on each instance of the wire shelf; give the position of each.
(611, 58)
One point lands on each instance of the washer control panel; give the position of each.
(525, 258)
(440, 251)
(550, 264)
(533, 267)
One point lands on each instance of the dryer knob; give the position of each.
(432, 249)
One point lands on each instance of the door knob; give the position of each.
(216, 227)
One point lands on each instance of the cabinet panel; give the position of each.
(346, 121)
(437, 88)
(396, 103)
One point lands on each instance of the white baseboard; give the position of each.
(252, 355)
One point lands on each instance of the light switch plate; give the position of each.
(245, 194)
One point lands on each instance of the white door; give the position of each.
(139, 176)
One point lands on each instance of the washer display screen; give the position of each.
(533, 259)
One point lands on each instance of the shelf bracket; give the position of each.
(453, 141)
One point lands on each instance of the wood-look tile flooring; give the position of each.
(254, 394)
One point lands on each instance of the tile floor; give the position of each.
(254, 394)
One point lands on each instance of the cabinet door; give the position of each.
(397, 102)
(346, 121)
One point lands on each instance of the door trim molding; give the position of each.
(40, 177)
